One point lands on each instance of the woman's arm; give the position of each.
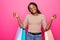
(20, 22)
(50, 23)
(18, 19)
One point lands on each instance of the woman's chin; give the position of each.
(33, 12)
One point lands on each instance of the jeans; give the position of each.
(33, 37)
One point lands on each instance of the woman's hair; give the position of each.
(32, 3)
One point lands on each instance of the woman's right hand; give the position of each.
(18, 19)
(15, 14)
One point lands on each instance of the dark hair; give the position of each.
(36, 7)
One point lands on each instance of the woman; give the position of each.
(34, 22)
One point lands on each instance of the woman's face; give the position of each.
(33, 8)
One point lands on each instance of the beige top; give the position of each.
(34, 22)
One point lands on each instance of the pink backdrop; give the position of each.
(8, 24)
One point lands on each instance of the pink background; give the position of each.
(9, 25)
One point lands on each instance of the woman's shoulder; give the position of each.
(28, 14)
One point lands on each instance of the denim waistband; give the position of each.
(35, 33)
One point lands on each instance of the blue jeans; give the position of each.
(33, 37)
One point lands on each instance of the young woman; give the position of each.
(34, 20)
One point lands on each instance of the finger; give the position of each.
(14, 14)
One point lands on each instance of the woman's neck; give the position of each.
(35, 14)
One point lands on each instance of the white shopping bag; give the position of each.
(49, 35)
(20, 34)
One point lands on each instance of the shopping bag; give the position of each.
(49, 35)
(20, 34)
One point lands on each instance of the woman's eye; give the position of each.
(33, 7)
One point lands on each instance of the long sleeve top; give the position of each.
(34, 23)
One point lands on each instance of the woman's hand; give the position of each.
(53, 17)
(50, 23)
(15, 14)
(18, 19)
